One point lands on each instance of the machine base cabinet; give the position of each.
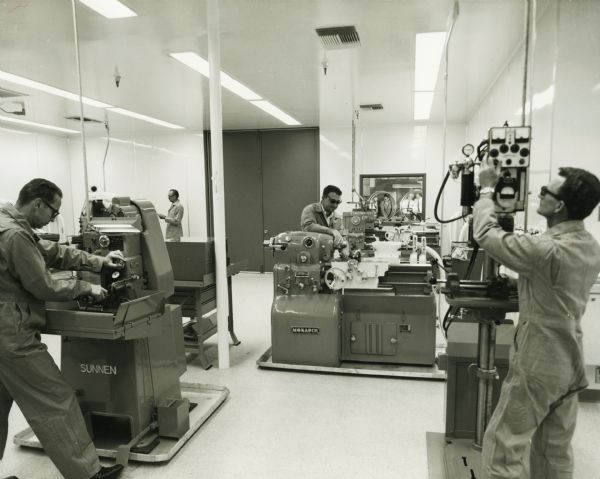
(305, 329)
(388, 329)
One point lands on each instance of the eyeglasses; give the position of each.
(55, 212)
(545, 191)
(335, 202)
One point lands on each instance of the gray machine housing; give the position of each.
(124, 357)
(394, 323)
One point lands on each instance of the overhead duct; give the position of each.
(337, 38)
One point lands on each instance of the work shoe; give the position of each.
(111, 472)
(11, 477)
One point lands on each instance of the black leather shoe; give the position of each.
(11, 477)
(111, 472)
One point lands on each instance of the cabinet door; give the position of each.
(243, 197)
(290, 172)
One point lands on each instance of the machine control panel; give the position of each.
(510, 146)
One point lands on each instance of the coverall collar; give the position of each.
(570, 226)
(15, 214)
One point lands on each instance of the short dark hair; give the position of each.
(38, 188)
(175, 192)
(580, 192)
(331, 189)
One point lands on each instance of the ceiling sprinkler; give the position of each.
(117, 76)
(324, 63)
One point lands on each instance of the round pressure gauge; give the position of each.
(104, 241)
(468, 149)
(355, 220)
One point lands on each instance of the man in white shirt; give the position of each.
(173, 217)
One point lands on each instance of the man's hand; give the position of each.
(337, 238)
(114, 260)
(488, 173)
(98, 293)
(161, 216)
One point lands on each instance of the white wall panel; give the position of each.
(147, 168)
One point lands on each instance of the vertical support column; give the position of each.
(486, 373)
(482, 358)
(216, 137)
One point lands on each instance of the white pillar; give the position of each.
(218, 190)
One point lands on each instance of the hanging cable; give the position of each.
(355, 114)
(106, 125)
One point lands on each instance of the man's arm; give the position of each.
(520, 253)
(175, 220)
(65, 257)
(27, 264)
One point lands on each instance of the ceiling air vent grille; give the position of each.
(4, 93)
(372, 106)
(335, 38)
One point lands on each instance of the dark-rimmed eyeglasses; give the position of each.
(55, 212)
(545, 191)
(335, 202)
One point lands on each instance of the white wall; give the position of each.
(147, 167)
(27, 155)
(566, 111)
(566, 97)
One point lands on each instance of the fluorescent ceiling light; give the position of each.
(135, 144)
(50, 89)
(423, 102)
(18, 121)
(428, 54)
(192, 60)
(276, 112)
(199, 64)
(12, 130)
(109, 8)
(237, 88)
(19, 80)
(149, 119)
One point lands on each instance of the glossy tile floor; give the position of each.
(287, 425)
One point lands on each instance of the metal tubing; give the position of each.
(88, 212)
(482, 361)
(216, 140)
(355, 114)
(491, 366)
(526, 61)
